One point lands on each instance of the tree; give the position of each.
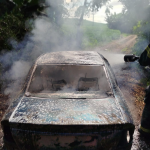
(132, 13)
(135, 9)
(138, 12)
(87, 7)
(13, 15)
(82, 10)
(119, 22)
(5, 7)
(56, 11)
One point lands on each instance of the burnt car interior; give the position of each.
(69, 78)
(85, 84)
(58, 85)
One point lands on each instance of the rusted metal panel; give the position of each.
(67, 111)
(70, 57)
(121, 102)
(71, 121)
(34, 140)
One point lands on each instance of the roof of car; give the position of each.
(71, 57)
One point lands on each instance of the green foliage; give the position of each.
(5, 7)
(125, 34)
(25, 7)
(11, 26)
(125, 50)
(56, 11)
(26, 2)
(140, 45)
(143, 29)
(145, 81)
(95, 35)
(133, 12)
(28, 7)
(15, 13)
(87, 7)
(92, 34)
(93, 5)
(119, 22)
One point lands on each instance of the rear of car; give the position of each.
(43, 123)
(70, 103)
(72, 137)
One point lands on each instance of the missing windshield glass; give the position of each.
(85, 84)
(58, 85)
(69, 79)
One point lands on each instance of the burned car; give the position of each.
(71, 101)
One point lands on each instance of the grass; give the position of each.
(126, 50)
(125, 34)
(91, 34)
(145, 81)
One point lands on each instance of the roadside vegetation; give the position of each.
(91, 34)
(134, 19)
(13, 17)
(16, 16)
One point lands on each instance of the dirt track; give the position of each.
(123, 45)
(129, 77)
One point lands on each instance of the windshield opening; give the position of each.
(69, 78)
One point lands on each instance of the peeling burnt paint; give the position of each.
(67, 111)
(70, 57)
(33, 140)
(118, 94)
(89, 123)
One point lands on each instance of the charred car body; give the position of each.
(71, 101)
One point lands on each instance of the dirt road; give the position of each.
(122, 45)
(129, 77)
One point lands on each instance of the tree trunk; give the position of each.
(82, 15)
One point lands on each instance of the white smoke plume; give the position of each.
(45, 37)
(17, 75)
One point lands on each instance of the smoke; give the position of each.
(77, 78)
(116, 60)
(17, 75)
(45, 37)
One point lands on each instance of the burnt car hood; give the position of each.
(44, 111)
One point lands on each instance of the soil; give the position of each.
(133, 91)
(129, 79)
(122, 45)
